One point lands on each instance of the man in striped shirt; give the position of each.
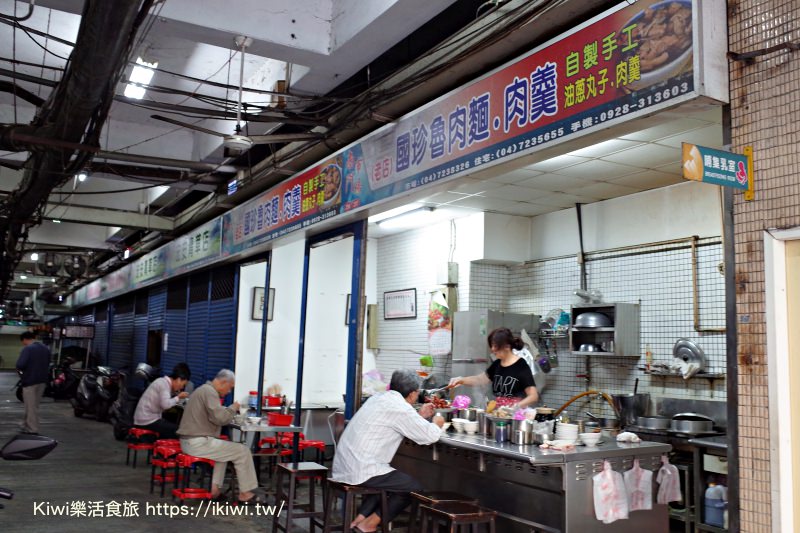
(370, 441)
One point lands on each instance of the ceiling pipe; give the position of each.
(73, 113)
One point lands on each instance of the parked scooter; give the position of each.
(97, 391)
(24, 448)
(131, 389)
(63, 382)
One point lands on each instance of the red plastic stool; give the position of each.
(135, 436)
(317, 445)
(164, 458)
(185, 492)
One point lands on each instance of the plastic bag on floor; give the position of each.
(639, 486)
(610, 499)
(669, 484)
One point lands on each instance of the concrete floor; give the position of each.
(88, 466)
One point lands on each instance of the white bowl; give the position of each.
(590, 439)
(445, 427)
(458, 423)
(471, 426)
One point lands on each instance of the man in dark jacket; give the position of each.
(33, 365)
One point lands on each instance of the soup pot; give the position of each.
(692, 423)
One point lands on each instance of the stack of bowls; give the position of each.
(458, 423)
(445, 427)
(471, 426)
(568, 432)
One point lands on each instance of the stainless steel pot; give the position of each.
(445, 412)
(521, 425)
(692, 423)
(470, 414)
(609, 423)
(653, 422)
(630, 407)
(484, 424)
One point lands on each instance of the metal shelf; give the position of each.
(593, 330)
(604, 353)
(663, 374)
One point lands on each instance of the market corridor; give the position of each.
(87, 466)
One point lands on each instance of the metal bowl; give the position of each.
(592, 320)
(589, 348)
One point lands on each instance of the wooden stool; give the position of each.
(456, 515)
(351, 492)
(305, 470)
(432, 499)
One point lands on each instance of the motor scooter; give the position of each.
(131, 388)
(96, 392)
(25, 448)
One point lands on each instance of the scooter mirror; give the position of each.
(27, 447)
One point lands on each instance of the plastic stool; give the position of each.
(305, 470)
(135, 435)
(351, 492)
(185, 492)
(163, 458)
(457, 515)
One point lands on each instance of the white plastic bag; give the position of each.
(669, 489)
(639, 486)
(610, 499)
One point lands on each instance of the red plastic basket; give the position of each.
(273, 401)
(277, 419)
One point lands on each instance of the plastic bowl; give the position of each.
(471, 426)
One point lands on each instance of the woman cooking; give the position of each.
(510, 376)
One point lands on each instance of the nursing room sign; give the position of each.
(716, 166)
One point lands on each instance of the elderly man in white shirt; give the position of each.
(159, 397)
(370, 441)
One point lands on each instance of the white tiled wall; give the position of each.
(658, 278)
(410, 260)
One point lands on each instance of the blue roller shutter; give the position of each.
(100, 342)
(221, 335)
(156, 307)
(175, 325)
(120, 347)
(197, 325)
(140, 328)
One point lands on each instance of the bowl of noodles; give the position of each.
(664, 35)
(331, 184)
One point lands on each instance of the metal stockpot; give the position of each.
(653, 422)
(484, 424)
(445, 412)
(692, 423)
(470, 414)
(630, 407)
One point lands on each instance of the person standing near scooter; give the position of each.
(33, 366)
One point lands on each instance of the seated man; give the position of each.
(370, 441)
(158, 398)
(200, 426)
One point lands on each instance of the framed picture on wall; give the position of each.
(400, 304)
(258, 303)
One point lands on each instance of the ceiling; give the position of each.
(306, 70)
(149, 172)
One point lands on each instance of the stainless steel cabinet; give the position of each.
(620, 339)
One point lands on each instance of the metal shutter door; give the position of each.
(120, 353)
(222, 316)
(156, 306)
(100, 342)
(175, 330)
(221, 336)
(139, 339)
(196, 332)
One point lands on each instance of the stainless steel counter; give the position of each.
(529, 487)
(535, 455)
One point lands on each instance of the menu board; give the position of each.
(77, 332)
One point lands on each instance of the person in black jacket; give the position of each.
(33, 365)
